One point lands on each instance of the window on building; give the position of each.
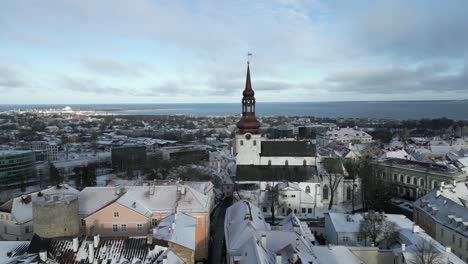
(269, 162)
(408, 179)
(307, 189)
(242, 142)
(285, 196)
(349, 193)
(116, 214)
(255, 142)
(303, 210)
(401, 178)
(453, 238)
(293, 196)
(123, 227)
(441, 232)
(421, 182)
(139, 227)
(286, 163)
(1, 216)
(325, 192)
(309, 210)
(345, 239)
(27, 230)
(415, 181)
(394, 177)
(83, 222)
(154, 222)
(264, 209)
(304, 163)
(115, 228)
(460, 242)
(295, 211)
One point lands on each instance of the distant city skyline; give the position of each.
(78, 52)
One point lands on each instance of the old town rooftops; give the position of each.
(422, 166)
(147, 200)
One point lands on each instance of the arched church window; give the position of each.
(304, 163)
(286, 163)
(349, 193)
(269, 162)
(325, 192)
(307, 189)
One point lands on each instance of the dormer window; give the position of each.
(116, 214)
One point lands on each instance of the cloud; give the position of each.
(9, 78)
(111, 67)
(82, 85)
(411, 29)
(398, 80)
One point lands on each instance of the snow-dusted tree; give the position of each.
(376, 229)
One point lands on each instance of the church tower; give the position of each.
(248, 138)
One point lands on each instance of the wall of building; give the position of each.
(102, 221)
(57, 216)
(12, 231)
(248, 150)
(187, 255)
(455, 240)
(290, 161)
(17, 169)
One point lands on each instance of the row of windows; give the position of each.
(284, 211)
(454, 239)
(254, 142)
(123, 228)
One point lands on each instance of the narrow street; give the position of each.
(217, 244)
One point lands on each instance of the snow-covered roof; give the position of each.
(345, 223)
(451, 204)
(92, 199)
(242, 220)
(147, 200)
(335, 255)
(177, 228)
(21, 207)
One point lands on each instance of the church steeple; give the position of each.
(248, 122)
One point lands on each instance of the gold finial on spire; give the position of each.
(248, 57)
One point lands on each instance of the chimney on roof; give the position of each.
(403, 247)
(415, 229)
(264, 240)
(149, 239)
(90, 253)
(43, 255)
(279, 258)
(448, 249)
(96, 240)
(75, 245)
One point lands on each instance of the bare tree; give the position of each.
(427, 253)
(334, 172)
(273, 198)
(376, 229)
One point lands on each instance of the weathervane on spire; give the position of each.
(248, 57)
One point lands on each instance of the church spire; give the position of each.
(248, 122)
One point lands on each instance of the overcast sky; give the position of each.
(147, 51)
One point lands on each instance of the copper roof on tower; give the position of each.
(248, 122)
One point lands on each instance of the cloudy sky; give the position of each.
(148, 51)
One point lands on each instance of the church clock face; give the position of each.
(248, 136)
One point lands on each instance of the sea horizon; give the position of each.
(399, 110)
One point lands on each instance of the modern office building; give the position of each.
(17, 169)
